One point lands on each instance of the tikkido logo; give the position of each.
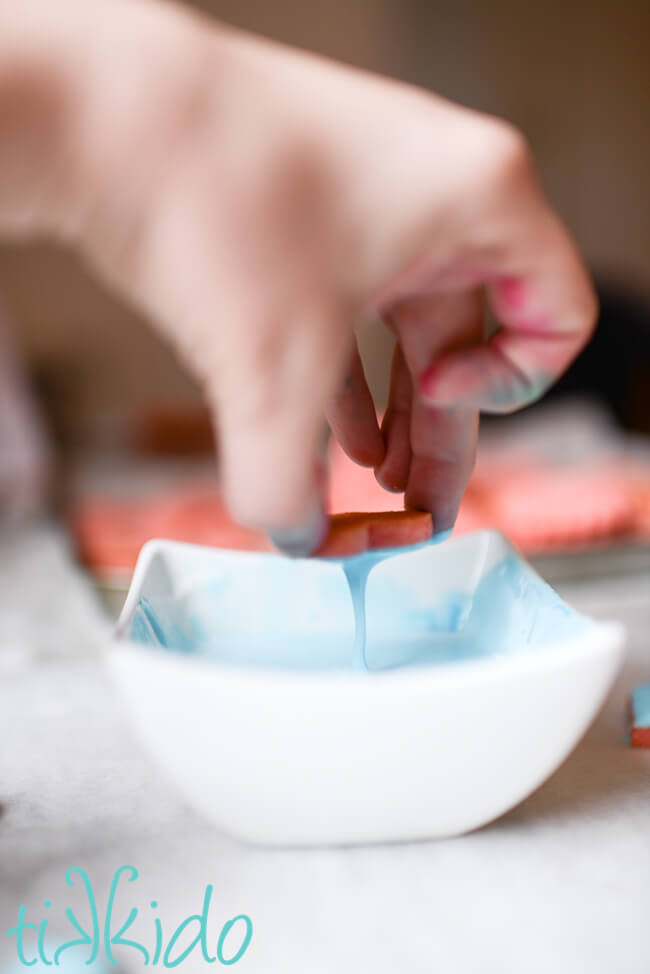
(95, 941)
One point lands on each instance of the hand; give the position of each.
(256, 202)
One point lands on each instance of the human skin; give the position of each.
(255, 203)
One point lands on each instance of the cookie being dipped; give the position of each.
(356, 533)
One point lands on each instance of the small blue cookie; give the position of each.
(640, 716)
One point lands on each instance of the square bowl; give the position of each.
(236, 670)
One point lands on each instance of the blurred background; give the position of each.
(568, 481)
(574, 77)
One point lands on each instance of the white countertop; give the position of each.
(560, 885)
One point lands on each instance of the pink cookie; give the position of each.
(561, 508)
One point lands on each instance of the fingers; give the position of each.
(269, 354)
(444, 450)
(546, 306)
(352, 417)
(442, 440)
(393, 472)
(270, 400)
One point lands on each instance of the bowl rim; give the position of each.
(154, 546)
(603, 638)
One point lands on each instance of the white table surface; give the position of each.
(560, 885)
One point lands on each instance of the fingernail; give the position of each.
(306, 537)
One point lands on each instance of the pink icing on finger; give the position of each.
(513, 292)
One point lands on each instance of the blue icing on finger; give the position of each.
(523, 391)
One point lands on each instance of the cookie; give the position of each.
(556, 509)
(640, 716)
(353, 533)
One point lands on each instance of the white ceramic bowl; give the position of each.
(310, 751)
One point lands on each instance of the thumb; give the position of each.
(270, 406)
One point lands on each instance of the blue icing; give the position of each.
(356, 569)
(356, 574)
(513, 602)
(641, 705)
(313, 619)
(159, 627)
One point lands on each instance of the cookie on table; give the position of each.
(554, 509)
(640, 716)
(110, 532)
